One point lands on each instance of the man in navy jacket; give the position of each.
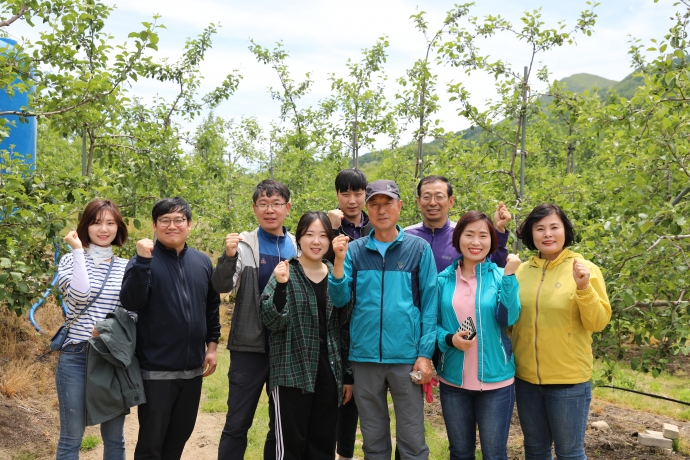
(169, 286)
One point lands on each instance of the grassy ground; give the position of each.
(672, 386)
(215, 400)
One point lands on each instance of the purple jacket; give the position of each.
(441, 241)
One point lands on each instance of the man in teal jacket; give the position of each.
(392, 277)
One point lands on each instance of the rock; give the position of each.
(601, 425)
(654, 439)
(671, 431)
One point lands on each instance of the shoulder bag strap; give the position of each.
(110, 267)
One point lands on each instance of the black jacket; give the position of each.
(177, 308)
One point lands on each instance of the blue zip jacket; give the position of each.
(497, 306)
(395, 301)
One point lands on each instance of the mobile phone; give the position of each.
(468, 325)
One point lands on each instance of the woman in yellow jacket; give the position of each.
(563, 301)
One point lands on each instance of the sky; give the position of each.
(321, 35)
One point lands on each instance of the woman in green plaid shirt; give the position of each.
(308, 355)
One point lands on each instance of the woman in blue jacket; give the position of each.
(476, 371)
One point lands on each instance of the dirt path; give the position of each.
(203, 445)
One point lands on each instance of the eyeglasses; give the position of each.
(427, 197)
(165, 222)
(265, 206)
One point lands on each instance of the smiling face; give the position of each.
(384, 212)
(103, 230)
(314, 242)
(475, 241)
(435, 204)
(351, 204)
(271, 212)
(549, 236)
(172, 230)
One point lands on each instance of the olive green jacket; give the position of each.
(113, 378)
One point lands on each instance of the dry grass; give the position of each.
(18, 377)
(21, 374)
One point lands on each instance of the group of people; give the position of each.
(333, 318)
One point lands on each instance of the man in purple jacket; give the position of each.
(435, 198)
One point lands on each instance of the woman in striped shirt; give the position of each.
(81, 276)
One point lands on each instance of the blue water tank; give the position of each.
(21, 139)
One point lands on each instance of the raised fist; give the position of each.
(282, 272)
(502, 217)
(73, 240)
(232, 241)
(336, 217)
(145, 247)
(513, 262)
(580, 274)
(340, 246)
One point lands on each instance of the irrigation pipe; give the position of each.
(45, 295)
(645, 394)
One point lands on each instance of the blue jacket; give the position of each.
(441, 241)
(497, 306)
(395, 301)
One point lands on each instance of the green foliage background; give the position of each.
(614, 155)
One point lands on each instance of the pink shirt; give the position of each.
(464, 306)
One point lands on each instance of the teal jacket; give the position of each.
(394, 316)
(497, 306)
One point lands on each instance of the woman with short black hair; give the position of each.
(563, 301)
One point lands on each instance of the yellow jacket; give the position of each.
(552, 340)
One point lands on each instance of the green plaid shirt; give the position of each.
(294, 342)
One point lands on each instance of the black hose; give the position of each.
(645, 394)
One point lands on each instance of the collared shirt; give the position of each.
(352, 230)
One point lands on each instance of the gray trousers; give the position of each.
(372, 380)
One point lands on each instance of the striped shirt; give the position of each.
(76, 300)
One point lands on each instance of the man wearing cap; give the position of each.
(392, 277)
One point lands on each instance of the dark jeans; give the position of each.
(553, 414)
(491, 410)
(247, 376)
(348, 417)
(167, 419)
